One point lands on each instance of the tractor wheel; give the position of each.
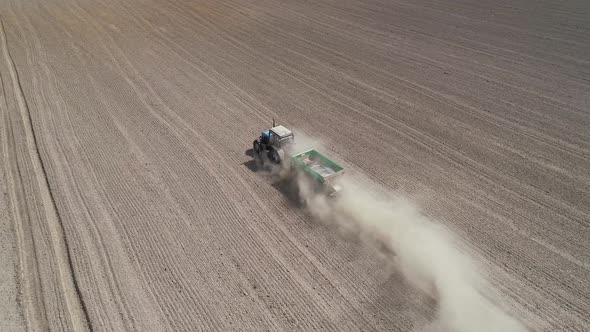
(274, 156)
(256, 146)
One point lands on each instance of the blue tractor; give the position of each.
(273, 142)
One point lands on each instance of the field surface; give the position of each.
(128, 201)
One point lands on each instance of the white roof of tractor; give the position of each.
(281, 131)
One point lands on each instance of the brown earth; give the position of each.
(128, 201)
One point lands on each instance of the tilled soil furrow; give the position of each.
(59, 281)
(115, 294)
(70, 204)
(335, 44)
(29, 287)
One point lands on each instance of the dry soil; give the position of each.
(128, 200)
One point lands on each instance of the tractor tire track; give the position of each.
(76, 315)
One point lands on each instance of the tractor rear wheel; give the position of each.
(274, 156)
(256, 146)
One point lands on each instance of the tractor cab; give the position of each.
(280, 137)
(273, 142)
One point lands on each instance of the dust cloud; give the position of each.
(424, 252)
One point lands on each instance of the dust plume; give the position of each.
(422, 251)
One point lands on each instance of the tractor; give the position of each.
(273, 142)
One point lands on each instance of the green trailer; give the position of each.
(321, 169)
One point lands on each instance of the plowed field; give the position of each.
(130, 200)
